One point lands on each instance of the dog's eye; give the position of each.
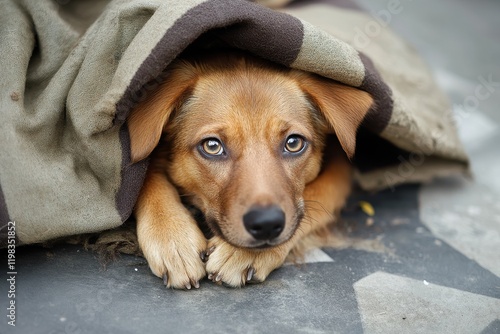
(294, 144)
(212, 146)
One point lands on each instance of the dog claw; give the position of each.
(218, 278)
(165, 279)
(210, 276)
(210, 251)
(197, 285)
(250, 274)
(188, 286)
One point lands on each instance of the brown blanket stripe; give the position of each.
(132, 178)
(380, 114)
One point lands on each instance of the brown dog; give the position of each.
(241, 139)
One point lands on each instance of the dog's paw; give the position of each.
(235, 266)
(174, 253)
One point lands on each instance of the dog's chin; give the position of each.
(254, 244)
(258, 244)
(263, 244)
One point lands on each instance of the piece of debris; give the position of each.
(400, 221)
(367, 208)
(14, 96)
(426, 283)
(370, 221)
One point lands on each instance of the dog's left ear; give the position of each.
(344, 107)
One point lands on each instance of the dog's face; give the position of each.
(241, 140)
(243, 146)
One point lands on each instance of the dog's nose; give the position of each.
(264, 223)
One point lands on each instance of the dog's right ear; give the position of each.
(148, 119)
(344, 107)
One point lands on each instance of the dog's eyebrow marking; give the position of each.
(207, 131)
(285, 128)
(299, 126)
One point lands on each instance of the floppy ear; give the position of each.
(148, 119)
(344, 107)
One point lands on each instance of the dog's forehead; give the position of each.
(261, 94)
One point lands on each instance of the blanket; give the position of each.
(71, 70)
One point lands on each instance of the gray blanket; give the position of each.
(72, 70)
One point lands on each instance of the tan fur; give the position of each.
(251, 106)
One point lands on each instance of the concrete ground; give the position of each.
(428, 263)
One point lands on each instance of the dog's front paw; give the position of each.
(235, 266)
(174, 251)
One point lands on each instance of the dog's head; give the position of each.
(242, 138)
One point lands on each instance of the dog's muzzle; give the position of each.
(264, 223)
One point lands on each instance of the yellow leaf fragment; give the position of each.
(367, 208)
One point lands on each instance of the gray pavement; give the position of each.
(429, 263)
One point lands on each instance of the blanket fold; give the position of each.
(72, 72)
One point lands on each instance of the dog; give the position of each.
(246, 142)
